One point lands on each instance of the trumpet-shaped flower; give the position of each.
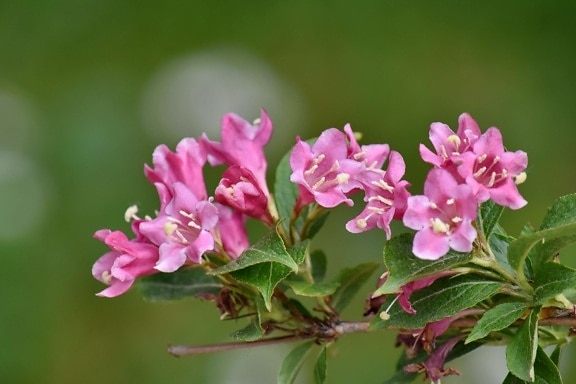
(449, 145)
(242, 144)
(493, 173)
(385, 194)
(323, 172)
(126, 261)
(182, 230)
(443, 216)
(183, 166)
(240, 190)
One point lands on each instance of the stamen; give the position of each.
(359, 155)
(342, 178)
(319, 183)
(492, 180)
(443, 152)
(106, 277)
(481, 159)
(456, 219)
(450, 202)
(311, 170)
(257, 121)
(520, 178)
(376, 210)
(382, 199)
(454, 140)
(170, 228)
(131, 213)
(433, 205)
(438, 226)
(479, 172)
(193, 224)
(361, 223)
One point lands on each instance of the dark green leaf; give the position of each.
(546, 371)
(350, 280)
(499, 242)
(404, 267)
(489, 215)
(320, 369)
(521, 247)
(555, 356)
(265, 277)
(178, 285)
(269, 249)
(496, 319)
(293, 362)
(553, 279)
(252, 331)
(319, 262)
(303, 288)
(298, 252)
(285, 191)
(446, 297)
(561, 213)
(521, 350)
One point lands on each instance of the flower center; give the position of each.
(489, 171)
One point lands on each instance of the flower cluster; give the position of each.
(189, 223)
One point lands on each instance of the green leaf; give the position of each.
(320, 369)
(555, 355)
(521, 350)
(285, 191)
(293, 362)
(496, 319)
(561, 213)
(303, 288)
(404, 267)
(446, 297)
(319, 262)
(269, 249)
(264, 277)
(553, 279)
(350, 280)
(546, 369)
(490, 213)
(254, 330)
(189, 282)
(511, 379)
(519, 249)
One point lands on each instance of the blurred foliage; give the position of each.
(390, 68)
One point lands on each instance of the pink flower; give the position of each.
(323, 172)
(184, 166)
(242, 144)
(433, 367)
(385, 194)
(182, 230)
(409, 288)
(127, 260)
(449, 145)
(232, 231)
(493, 173)
(443, 216)
(240, 190)
(373, 155)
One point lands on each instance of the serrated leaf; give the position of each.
(553, 279)
(562, 212)
(254, 330)
(191, 282)
(264, 277)
(269, 249)
(546, 370)
(319, 263)
(293, 362)
(285, 191)
(496, 319)
(350, 280)
(445, 297)
(320, 369)
(303, 288)
(489, 216)
(404, 267)
(521, 350)
(519, 249)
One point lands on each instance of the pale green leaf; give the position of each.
(188, 282)
(496, 319)
(521, 350)
(293, 362)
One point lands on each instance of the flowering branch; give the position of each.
(457, 282)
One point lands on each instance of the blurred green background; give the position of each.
(89, 88)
